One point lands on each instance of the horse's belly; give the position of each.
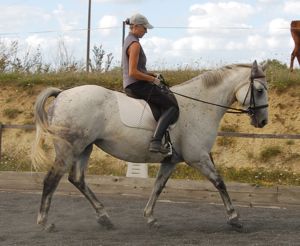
(126, 151)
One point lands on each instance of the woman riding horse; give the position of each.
(140, 83)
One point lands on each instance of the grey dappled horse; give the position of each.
(89, 115)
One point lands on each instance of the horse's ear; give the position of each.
(254, 69)
(256, 72)
(254, 65)
(264, 65)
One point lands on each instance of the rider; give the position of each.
(140, 83)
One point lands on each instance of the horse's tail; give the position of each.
(39, 157)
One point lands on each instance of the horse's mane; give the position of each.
(212, 78)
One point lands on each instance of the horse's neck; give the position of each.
(223, 93)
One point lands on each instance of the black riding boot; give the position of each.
(167, 118)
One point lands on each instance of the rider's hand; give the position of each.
(159, 76)
(156, 81)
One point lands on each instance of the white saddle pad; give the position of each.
(135, 112)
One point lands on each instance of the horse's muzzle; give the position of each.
(258, 124)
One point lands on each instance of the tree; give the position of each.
(98, 64)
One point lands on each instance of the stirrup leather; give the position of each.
(167, 143)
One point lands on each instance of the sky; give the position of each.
(187, 33)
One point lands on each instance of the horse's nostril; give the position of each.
(264, 122)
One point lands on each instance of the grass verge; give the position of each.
(278, 76)
(258, 176)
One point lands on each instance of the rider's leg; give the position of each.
(164, 100)
(163, 123)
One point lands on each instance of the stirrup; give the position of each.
(167, 143)
(157, 147)
(170, 148)
(165, 147)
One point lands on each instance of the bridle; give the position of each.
(252, 106)
(255, 74)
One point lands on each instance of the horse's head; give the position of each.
(253, 95)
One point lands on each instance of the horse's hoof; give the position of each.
(104, 221)
(236, 224)
(153, 224)
(50, 228)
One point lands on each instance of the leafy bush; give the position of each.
(280, 77)
(226, 141)
(229, 128)
(98, 64)
(269, 152)
(11, 113)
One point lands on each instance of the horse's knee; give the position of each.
(73, 180)
(52, 179)
(220, 185)
(76, 182)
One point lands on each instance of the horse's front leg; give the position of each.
(207, 168)
(162, 177)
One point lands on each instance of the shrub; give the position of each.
(229, 128)
(290, 142)
(269, 152)
(280, 77)
(11, 113)
(226, 141)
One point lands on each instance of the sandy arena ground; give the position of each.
(183, 223)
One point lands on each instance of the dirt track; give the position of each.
(183, 223)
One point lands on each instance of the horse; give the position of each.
(89, 115)
(295, 32)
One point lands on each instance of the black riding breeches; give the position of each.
(161, 98)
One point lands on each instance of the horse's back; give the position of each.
(93, 91)
(80, 104)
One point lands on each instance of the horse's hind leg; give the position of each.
(163, 175)
(295, 54)
(298, 56)
(207, 168)
(76, 177)
(50, 183)
(292, 61)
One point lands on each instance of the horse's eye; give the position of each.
(260, 91)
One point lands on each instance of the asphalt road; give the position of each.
(183, 222)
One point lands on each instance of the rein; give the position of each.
(250, 110)
(237, 110)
